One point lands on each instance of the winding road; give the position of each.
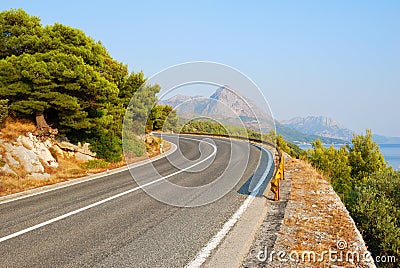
(112, 222)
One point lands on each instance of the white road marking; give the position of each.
(37, 226)
(206, 251)
(61, 185)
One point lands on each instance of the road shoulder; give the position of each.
(74, 181)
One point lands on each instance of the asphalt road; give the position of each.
(134, 229)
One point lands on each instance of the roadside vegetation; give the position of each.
(204, 126)
(55, 81)
(358, 173)
(210, 127)
(369, 188)
(59, 78)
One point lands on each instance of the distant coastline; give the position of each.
(391, 152)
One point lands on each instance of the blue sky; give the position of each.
(335, 58)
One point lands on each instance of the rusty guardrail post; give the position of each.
(279, 175)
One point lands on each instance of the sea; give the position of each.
(391, 152)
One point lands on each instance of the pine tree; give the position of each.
(63, 78)
(365, 157)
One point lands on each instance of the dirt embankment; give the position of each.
(28, 162)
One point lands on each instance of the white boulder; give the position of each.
(44, 155)
(28, 159)
(30, 142)
(14, 163)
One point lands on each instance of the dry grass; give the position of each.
(11, 185)
(68, 169)
(14, 128)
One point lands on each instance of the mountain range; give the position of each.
(227, 107)
(328, 128)
(321, 126)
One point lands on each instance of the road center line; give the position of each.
(37, 226)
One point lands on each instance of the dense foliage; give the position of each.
(3, 110)
(374, 205)
(288, 147)
(162, 117)
(369, 188)
(61, 73)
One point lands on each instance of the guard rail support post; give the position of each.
(279, 175)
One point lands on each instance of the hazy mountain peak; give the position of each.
(322, 120)
(225, 105)
(222, 92)
(319, 125)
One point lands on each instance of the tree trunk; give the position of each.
(43, 130)
(41, 123)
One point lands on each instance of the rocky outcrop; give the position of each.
(27, 158)
(30, 157)
(41, 149)
(10, 159)
(83, 157)
(83, 150)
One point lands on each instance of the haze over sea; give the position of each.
(391, 152)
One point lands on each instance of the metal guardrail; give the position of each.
(279, 173)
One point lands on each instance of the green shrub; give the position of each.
(137, 149)
(107, 146)
(96, 163)
(133, 145)
(292, 149)
(374, 206)
(365, 157)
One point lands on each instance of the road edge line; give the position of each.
(216, 240)
(70, 182)
(205, 252)
(68, 214)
